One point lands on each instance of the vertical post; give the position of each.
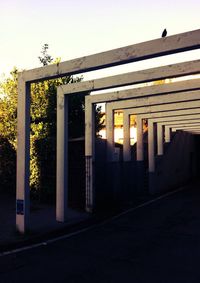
(127, 172)
(126, 143)
(139, 147)
(113, 172)
(110, 131)
(89, 153)
(151, 155)
(160, 139)
(141, 176)
(167, 134)
(23, 156)
(151, 152)
(112, 166)
(62, 157)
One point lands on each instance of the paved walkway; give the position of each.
(42, 222)
(158, 242)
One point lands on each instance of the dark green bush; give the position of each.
(7, 166)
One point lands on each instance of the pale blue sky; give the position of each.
(82, 27)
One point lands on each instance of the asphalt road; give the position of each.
(159, 242)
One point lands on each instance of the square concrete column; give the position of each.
(151, 152)
(89, 154)
(159, 139)
(140, 156)
(126, 140)
(113, 173)
(62, 157)
(151, 155)
(167, 133)
(110, 132)
(139, 147)
(23, 156)
(129, 174)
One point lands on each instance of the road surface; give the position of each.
(159, 242)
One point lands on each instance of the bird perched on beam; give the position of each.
(164, 33)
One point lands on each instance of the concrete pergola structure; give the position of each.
(192, 130)
(151, 153)
(106, 83)
(158, 117)
(164, 119)
(138, 104)
(172, 127)
(63, 91)
(133, 53)
(186, 127)
(168, 124)
(155, 117)
(151, 101)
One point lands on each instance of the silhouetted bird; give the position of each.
(164, 33)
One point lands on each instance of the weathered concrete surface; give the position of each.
(160, 47)
(132, 53)
(156, 243)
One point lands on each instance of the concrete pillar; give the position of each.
(141, 175)
(159, 139)
(139, 147)
(23, 156)
(167, 133)
(151, 155)
(110, 132)
(126, 143)
(113, 172)
(62, 157)
(129, 174)
(89, 154)
(151, 152)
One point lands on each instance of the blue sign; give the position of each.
(20, 207)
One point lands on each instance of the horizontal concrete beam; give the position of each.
(178, 125)
(188, 130)
(141, 51)
(147, 75)
(166, 114)
(161, 109)
(156, 100)
(168, 88)
(184, 127)
(183, 122)
(184, 117)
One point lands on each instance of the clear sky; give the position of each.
(75, 28)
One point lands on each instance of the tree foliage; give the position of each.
(43, 123)
(8, 107)
(45, 59)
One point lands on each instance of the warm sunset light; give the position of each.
(118, 135)
(99, 141)
(118, 129)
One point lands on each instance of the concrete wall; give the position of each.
(108, 176)
(115, 181)
(176, 166)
